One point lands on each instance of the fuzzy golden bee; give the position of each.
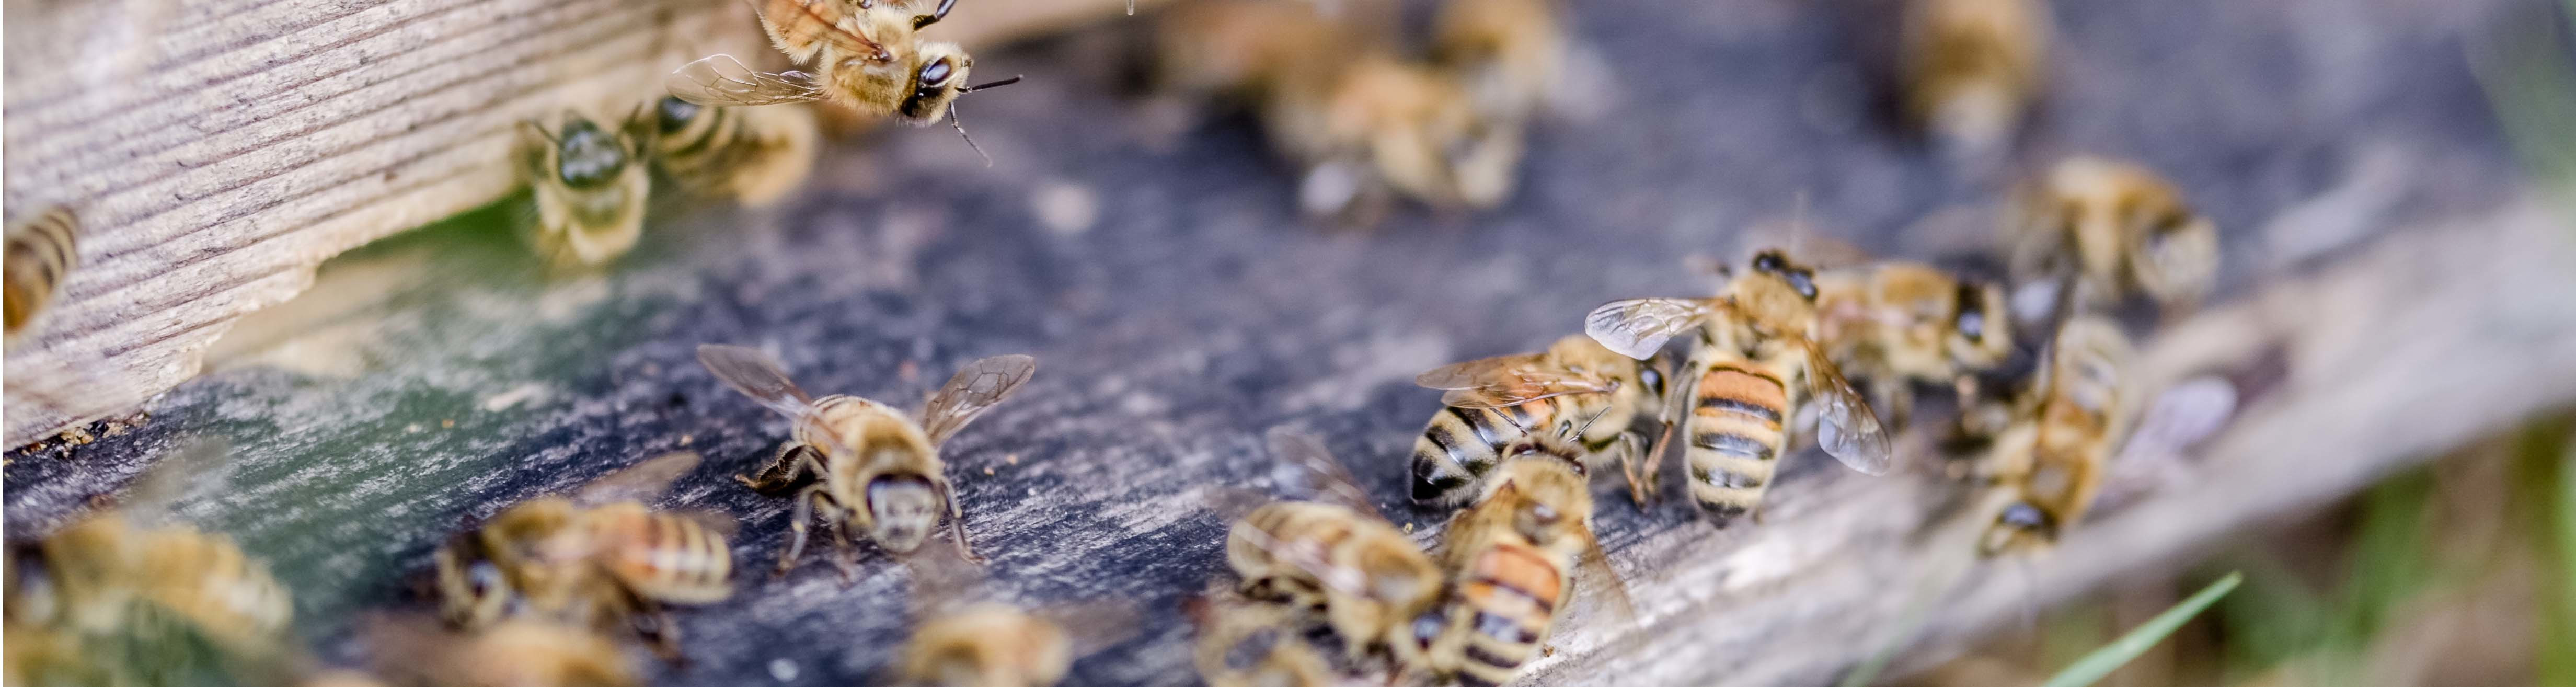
(1254, 645)
(1753, 367)
(1972, 67)
(1511, 55)
(42, 251)
(516, 652)
(2115, 228)
(590, 184)
(865, 465)
(987, 645)
(1512, 558)
(1340, 556)
(599, 557)
(1896, 323)
(2053, 457)
(866, 57)
(753, 154)
(1495, 402)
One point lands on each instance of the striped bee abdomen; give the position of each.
(665, 557)
(1511, 593)
(41, 252)
(1461, 445)
(1316, 529)
(1736, 433)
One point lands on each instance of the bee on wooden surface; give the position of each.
(2053, 457)
(864, 464)
(866, 57)
(1495, 402)
(754, 154)
(517, 652)
(1753, 367)
(91, 576)
(599, 557)
(1897, 323)
(2114, 228)
(1971, 67)
(961, 643)
(1340, 556)
(1377, 123)
(42, 250)
(590, 185)
(1510, 54)
(1512, 558)
(1254, 645)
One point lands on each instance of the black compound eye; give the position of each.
(674, 114)
(1427, 627)
(935, 74)
(2022, 515)
(484, 576)
(1768, 261)
(1804, 281)
(1653, 378)
(1972, 313)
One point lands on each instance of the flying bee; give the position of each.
(42, 250)
(1754, 367)
(517, 652)
(1376, 123)
(1495, 402)
(1971, 67)
(1254, 645)
(2114, 228)
(597, 558)
(2053, 458)
(91, 576)
(871, 467)
(590, 185)
(865, 56)
(1339, 556)
(1512, 558)
(754, 154)
(1511, 54)
(1895, 323)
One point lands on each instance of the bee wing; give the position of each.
(757, 375)
(1304, 461)
(1346, 580)
(717, 522)
(1509, 380)
(640, 482)
(976, 388)
(1613, 589)
(721, 80)
(1850, 430)
(149, 500)
(1638, 327)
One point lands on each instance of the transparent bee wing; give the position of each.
(641, 482)
(1612, 589)
(1639, 326)
(1305, 463)
(1341, 579)
(719, 523)
(721, 80)
(1849, 430)
(198, 461)
(757, 375)
(976, 388)
(1508, 381)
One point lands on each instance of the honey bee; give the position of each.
(1894, 323)
(42, 251)
(871, 467)
(1511, 54)
(517, 652)
(1972, 67)
(597, 558)
(90, 577)
(1244, 48)
(2053, 458)
(590, 185)
(1495, 402)
(988, 645)
(755, 154)
(1254, 645)
(865, 55)
(2115, 228)
(1754, 367)
(1512, 558)
(1376, 123)
(1339, 556)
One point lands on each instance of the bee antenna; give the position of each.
(1015, 78)
(961, 133)
(533, 125)
(1578, 430)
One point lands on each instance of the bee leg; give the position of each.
(1893, 399)
(797, 522)
(847, 556)
(957, 522)
(795, 461)
(653, 622)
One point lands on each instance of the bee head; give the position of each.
(2174, 255)
(1981, 334)
(472, 591)
(587, 156)
(902, 510)
(1799, 278)
(936, 83)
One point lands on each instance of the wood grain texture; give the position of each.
(2389, 291)
(218, 150)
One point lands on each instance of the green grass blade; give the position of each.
(2119, 652)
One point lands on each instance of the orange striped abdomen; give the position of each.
(1736, 433)
(663, 557)
(1461, 446)
(1314, 530)
(1509, 595)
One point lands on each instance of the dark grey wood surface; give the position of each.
(2343, 147)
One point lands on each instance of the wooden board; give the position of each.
(2383, 260)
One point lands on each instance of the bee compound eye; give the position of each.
(935, 74)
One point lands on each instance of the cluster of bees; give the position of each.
(542, 592)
